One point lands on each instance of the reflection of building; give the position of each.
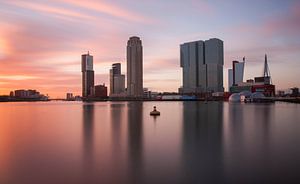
(87, 74)
(135, 140)
(239, 147)
(88, 133)
(100, 91)
(236, 74)
(117, 81)
(202, 66)
(134, 67)
(202, 142)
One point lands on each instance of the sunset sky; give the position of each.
(41, 42)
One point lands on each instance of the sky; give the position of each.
(41, 42)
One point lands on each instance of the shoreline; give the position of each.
(295, 100)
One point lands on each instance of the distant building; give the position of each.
(295, 92)
(87, 75)
(21, 93)
(147, 93)
(236, 74)
(134, 67)
(202, 66)
(28, 94)
(117, 80)
(259, 84)
(70, 96)
(100, 91)
(280, 93)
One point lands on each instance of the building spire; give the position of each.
(267, 73)
(266, 68)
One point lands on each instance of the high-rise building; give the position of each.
(117, 80)
(119, 84)
(134, 67)
(87, 75)
(236, 74)
(202, 65)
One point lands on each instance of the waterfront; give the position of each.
(118, 142)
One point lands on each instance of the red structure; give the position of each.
(266, 89)
(101, 91)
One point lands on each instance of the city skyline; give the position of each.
(40, 42)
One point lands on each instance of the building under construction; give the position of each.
(261, 84)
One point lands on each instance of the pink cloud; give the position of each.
(110, 9)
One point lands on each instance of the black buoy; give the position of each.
(154, 112)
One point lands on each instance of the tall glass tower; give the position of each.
(87, 75)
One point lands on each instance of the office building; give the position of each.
(119, 84)
(202, 66)
(87, 75)
(117, 80)
(134, 67)
(236, 74)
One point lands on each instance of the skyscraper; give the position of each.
(134, 67)
(117, 80)
(236, 74)
(202, 66)
(87, 75)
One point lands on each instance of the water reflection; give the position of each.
(88, 140)
(135, 141)
(118, 144)
(201, 142)
(247, 145)
(116, 111)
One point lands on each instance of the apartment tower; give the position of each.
(134, 67)
(87, 75)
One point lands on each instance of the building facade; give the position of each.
(117, 80)
(202, 66)
(87, 75)
(236, 74)
(134, 67)
(119, 84)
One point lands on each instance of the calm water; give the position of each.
(118, 142)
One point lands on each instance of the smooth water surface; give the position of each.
(118, 142)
